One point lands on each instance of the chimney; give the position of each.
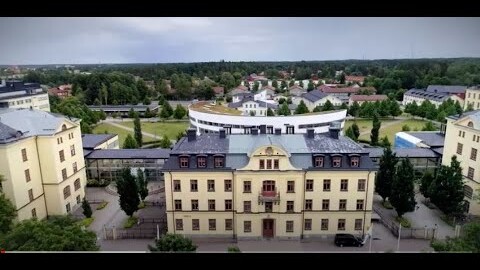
(254, 131)
(278, 131)
(191, 134)
(263, 129)
(334, 130)
(222, 134)
(310, 133)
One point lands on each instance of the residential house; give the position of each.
(365, 98)
(316, 98)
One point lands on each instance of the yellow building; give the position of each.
(462, 139)
(472, 97)
(285, 186)
(41, 160)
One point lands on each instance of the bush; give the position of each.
(97, 183)
(130, 222)
(387, 205)
(233, 249)
(86, 222)
(141, 205)
(102, 205)
(405, 222)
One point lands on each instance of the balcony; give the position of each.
(269, 196)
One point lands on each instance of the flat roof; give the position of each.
(91, 141)
(129, 154)
(207, 107)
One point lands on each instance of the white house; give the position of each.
(315, 97)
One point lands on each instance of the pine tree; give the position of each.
(354, 109)
(165, 142)
(403, 194)
(328, 106)
(284, 110)
(386, 172)
(270, 112)
(179, 112)
(301, 108)
(137, 129)
(166, 111)
(129, 142)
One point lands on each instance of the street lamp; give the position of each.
(399, 235)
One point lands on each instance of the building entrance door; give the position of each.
(268, 228)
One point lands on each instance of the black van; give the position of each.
(344, 240)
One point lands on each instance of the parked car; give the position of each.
(344, 240)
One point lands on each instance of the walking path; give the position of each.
(422, 216)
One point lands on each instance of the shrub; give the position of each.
(102, 205)
(233, 249)
(141, 205)
(130, 222)
(387, 205)
(86, 222)
(405, 222)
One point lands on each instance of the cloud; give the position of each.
(83, 40)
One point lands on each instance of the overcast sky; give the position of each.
(161, 40)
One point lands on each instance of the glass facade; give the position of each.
(109, 169)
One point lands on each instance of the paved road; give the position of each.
(383, 242)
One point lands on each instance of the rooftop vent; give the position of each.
(254, 131)
(191, 134)
(334, 129)
(278, 131)
(310, 133)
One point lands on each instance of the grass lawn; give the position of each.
(171, 129)
(365, 125)
(391, 130)
(122, 133)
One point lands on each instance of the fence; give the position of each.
(150, 228)
(406, 233)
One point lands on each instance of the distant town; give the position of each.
(310, 156)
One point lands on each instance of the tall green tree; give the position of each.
(402, 196)
(57, 233)
(165, 142)
(137, 130)
(166, 111)
(284, 110)
(446, 191)
(87, 210)
(142, 183)
(425, 184)
(354, 109)
(127, 189)
(375, 130)
(104, 93)
(356, 130)
(349, 133)
(7, 213)
(328, 106)
(386, 172)
(131, 113)
(179, 112)
(255, 86)
(173, 243)
(301, 108)
(394, 108)
(129, 142)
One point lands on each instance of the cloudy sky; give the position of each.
(161, 40)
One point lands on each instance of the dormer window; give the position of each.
(201, 162)
(336, 162)
(64, 127)
(318, 161)
(354, 161)
(218, 162)
(184, 162)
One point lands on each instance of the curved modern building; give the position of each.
(208, 118)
